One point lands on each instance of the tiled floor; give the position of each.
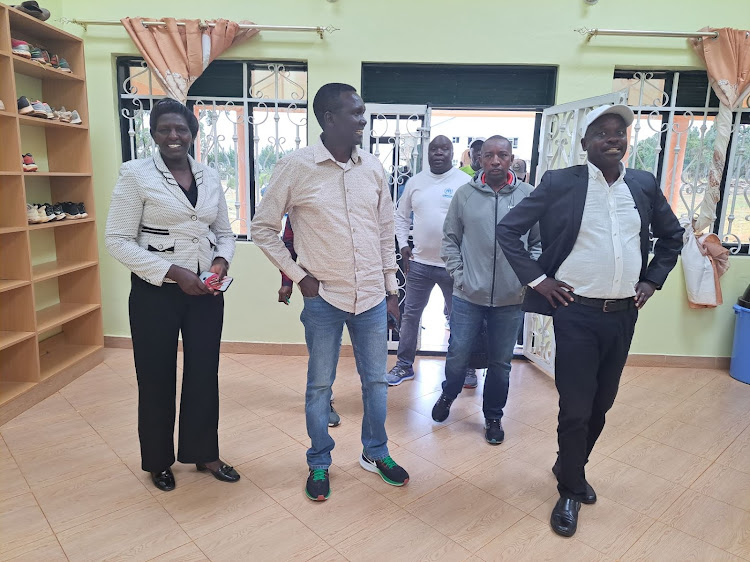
(672, 471)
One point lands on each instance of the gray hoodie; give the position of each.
(480, 272)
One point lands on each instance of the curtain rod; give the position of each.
(589, 33)
(316, 29)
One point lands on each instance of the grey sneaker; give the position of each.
(397, 375)
(334, 419)
(470, 381)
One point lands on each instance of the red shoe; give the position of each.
(28, 163)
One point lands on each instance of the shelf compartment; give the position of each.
(16, 309)
(44, 122)
(63, 356)
(50, 270)
(9, 159)
(56, 315)
(79, 339)
(9, 339)
(10, 284)
(19, 363)
(41, 71)
(10, 390)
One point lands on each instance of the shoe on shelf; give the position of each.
(37, 56)
(2, 106)
(28, 163)
(225, 473)
(31, 7)
(442, 408)
(48, 109)
(164, 480)
(470, 380)
(75, 119)
(318, 487)
(32, 214)
(493, 432)
(389, 471)
(38, 109)
(71, 210)
(63, 65)
(334, 420)
(63, 115)
(82, 210)
(24, 106)
(399, 374)
(58, 210)
(49, 214)
(20, 48)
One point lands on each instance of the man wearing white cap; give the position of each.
(593, 276)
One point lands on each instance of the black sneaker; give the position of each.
(493, 432)
(318, 487)
(71, 210)
(82, 210)
(442, 408)
(58, 210)
(389, 471)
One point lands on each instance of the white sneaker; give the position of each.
(75, 119)
(32, 214)
(2, 106)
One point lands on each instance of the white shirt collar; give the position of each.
(595, 172)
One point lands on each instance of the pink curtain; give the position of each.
(177, 54)
(727, 60)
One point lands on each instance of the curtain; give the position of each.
(178, 55)
(727, 60)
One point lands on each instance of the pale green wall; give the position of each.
(486, 31)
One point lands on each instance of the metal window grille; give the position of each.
(672, 137)
(250, 115)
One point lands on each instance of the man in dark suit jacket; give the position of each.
(593, 276)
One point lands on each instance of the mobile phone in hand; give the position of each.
(213, 282)
(393, 323)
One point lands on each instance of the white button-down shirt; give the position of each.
(342, 215)
(605, 262)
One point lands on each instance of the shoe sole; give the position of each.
(374, 469)
(400, 381)
(319, 498)
(30, 169)
(494, 442)
(24, 54)
(338, 423)
(26, 110)
(471, 385)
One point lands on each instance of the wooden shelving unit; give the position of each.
(50, 296)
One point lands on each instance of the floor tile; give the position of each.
(646, 399)
(117, 414)
(404, 425)
(700, 441)
(678, 382)
(523, 485)
(250, 440)
(671, 464)
(139, 532)
(713, 417)
(12, 482)
(185, 553)
(280, 474)
(612, 438)
(667, 544)
(403, 537)
(725, 484)
(712, 521)
(42, 467)
(21, 523)
(606, 526)
(29, 437)
(631, 418)
(50, 408)
(330, 555)
(89, 496)
(737, 455)
(424, 477)
(531, 540)
(207, 505)
(269, 535)
(464, 513)
(352, 507)
(95, 389)
(634, 488)
(46, 549)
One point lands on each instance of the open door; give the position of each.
(398, 135)
(559, 147)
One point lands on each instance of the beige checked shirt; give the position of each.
(342, 216)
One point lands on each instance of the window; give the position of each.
(673, 137)
(514, 142)
(456, 140)
(250, 115)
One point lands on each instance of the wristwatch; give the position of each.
(391, 293)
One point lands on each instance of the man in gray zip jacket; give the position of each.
(484, 285)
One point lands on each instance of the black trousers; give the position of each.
(157, 316)
(592, 347)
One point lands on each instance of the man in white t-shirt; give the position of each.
(427, 195)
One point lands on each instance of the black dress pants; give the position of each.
(157, 316)
(591, 349)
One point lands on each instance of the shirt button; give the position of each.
(161, 246)
(195, 240)
(194, 218)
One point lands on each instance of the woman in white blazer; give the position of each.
(168, 223)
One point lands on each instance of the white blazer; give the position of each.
(152, 225)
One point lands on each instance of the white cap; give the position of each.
(476, 139)
(622, 110)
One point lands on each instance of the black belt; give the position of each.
(605, 305)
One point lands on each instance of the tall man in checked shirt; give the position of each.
(336, 196)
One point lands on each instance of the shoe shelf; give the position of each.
(52, 269)
(50, 293)
(42, 122)
(8, 339)
(59, 224)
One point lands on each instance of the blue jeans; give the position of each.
(502, 330)
(419, 283)
(324, 325)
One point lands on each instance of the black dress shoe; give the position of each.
(225, 473)
(163, 480)
(564, 518)
(589, 498)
